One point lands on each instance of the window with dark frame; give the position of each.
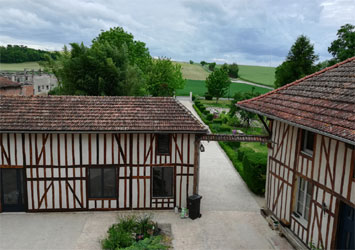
(304, 196)
(163, 181)
(102, 183)
(307, 142)
(163, 144)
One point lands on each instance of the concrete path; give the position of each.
(230, 218)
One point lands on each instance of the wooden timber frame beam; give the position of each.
(196, 164)
(265, 125)
(240, 138)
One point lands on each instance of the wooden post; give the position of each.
(196, 164)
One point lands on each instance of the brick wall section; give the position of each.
(10, 91)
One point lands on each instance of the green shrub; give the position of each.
(197, 102)
(242, 151)
(152, 243)
(193, 97)
(233, 157)
(233, 121)
(209, 117)
(254, 165)
(233, 144)
(214, 127)
(206, 112)
(202, 108)
(202, 116)
(224, 128)
(123, 234)
(208, 96)
(218, 121)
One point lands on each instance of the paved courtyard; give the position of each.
(230, 218)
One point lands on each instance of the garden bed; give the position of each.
(137, 232)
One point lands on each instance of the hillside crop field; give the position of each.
(198, 87)
(19, 66)
(257, 74)
(193, 71)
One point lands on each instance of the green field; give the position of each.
(198, 87)
(19, 66)
(193, 71)
(257, 74)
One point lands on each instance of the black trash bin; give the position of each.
(194, 206)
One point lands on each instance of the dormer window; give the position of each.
(307, 142)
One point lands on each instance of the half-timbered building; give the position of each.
(74, 153)
(310, 184)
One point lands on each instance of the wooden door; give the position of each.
(12, 194)
(346, 228)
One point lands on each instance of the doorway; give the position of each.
(346, 227)
(11, 188)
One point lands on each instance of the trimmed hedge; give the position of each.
(254, 166)
(209, 117)
(224, 128)
(233, 144)
(242, 151)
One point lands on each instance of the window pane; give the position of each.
(309, 188)
(95, 187)
(302, 184)
(306, 213)
(163, 181)
(300, 208)
(109, 182)
(310, 140)
(163, 143)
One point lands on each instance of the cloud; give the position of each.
(243, 31)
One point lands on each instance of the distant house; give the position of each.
(8, 87)
(41, 82)
(79, 153)
(310, 184)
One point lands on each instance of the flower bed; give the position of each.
(135, 232)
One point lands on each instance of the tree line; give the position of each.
(20, 53)
(301, 59)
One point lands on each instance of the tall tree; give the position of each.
(217, 83)
(137, 52)
(164, 78)
(343, 47)
(115, 64)
(300, 62)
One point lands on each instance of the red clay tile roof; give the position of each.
(6, 83)
(96, 113)
(323, 102)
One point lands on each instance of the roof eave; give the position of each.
(202, 132)
(297, 125)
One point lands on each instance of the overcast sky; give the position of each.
(256, 32)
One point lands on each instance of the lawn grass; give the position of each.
(256, 74)
(256, 146)
(19, 66)
(198, 87)
(193, 71)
